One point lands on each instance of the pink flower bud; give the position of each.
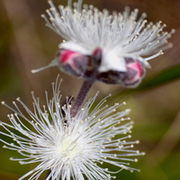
(72, 63)
(134, 74)
(130, 78)
(75, 63)
(87, 67)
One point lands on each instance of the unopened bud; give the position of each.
(130, 78)
(72, 63)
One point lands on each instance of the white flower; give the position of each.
(117, 36)
(70, 148)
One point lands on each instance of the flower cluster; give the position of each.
(71, 147)
(74, 140)
(111, 48)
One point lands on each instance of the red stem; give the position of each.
(86, 86)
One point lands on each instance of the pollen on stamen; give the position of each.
(2, 102)
(124, 103)
(43, 15)
(161, 52)
(137, 152)
(135, 160)
(11, 158)
(120, 147)
(110, 95)
(128, 111)
(109, 176)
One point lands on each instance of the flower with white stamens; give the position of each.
(118, 37)
(70, 148)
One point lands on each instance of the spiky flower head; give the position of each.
(100, 45)
(70, 148)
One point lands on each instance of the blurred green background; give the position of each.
(26, 44)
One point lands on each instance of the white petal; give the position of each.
(111, 61)
(70, 45)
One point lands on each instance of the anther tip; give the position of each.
(2, 102)
(33, 71)
(49, 1)
(135, 160)
(128, 111)
(173, 30)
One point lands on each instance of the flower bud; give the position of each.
(72, 63)
(88, 67)
(130, 78)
